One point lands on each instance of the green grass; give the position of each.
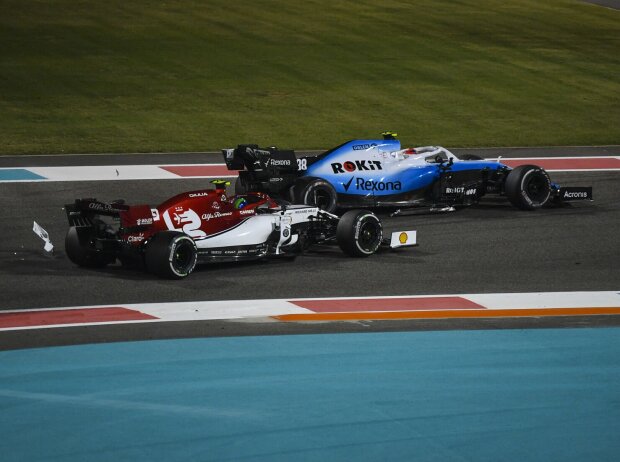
(183, 75)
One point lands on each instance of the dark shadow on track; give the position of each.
(36, 338)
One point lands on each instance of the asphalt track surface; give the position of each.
(614, 4)
(489, 248)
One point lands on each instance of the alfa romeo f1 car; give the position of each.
(379, 173)
(208, 226)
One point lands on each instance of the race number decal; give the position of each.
(302, 164)
(186, 221)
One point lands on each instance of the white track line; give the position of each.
(156, 172)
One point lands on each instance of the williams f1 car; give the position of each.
(209, 226)
(379, 173)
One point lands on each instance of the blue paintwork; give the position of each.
(510, 395)
(17, 174)
(397, 177)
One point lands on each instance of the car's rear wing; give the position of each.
(252, 158)
(269, 170)
(82, 211)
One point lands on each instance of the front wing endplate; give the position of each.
(403, 239)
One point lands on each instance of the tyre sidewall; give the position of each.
(176, 242)
(79, 250)
(349, 230)
(75, 246)
(528, 176)
(363, 219)
(516, 187)
(160, 254)
(305, 188)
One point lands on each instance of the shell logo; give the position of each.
(403, 238)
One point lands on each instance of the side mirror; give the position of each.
(444, 165)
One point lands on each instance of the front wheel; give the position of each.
(528, 187)
(170, 254)
(359, 233)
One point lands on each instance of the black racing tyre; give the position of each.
(239, 188)
(528, 187)
(171, 255)
(359, 233)
(318, 193)
(80, 248)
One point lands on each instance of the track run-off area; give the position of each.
(495, 339)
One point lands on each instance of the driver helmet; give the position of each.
(240, 202)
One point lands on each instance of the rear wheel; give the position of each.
(170, 254)
(528, 187)
(359, 233)
(318, 193)
(80, 248)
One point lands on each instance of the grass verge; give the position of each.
(117, 76)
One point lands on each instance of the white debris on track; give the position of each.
(48, 247)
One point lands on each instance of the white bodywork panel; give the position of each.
(403, 239)
(256, 229)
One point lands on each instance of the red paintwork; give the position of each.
(387, 304)
(197, 213)
(134, 215)
(71, 316)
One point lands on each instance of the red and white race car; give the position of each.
(208, 225)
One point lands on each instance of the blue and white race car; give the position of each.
(380, 173)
